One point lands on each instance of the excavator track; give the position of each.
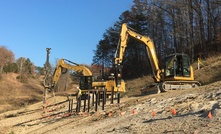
(177, 85)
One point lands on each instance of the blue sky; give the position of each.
(71, 28)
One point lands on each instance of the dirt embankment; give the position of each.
(14, 94)
(195, 111)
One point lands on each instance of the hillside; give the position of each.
(14, 94)
(196, 110)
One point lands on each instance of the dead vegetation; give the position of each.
(135, 87)
(209, 71)
(14, 94)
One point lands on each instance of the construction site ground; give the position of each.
(141, 110)
(181, 111)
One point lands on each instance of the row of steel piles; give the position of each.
(98, 98)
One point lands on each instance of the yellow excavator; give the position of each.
(63, 67)
(86, 80)
(177, 73)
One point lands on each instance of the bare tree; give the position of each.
(20, 63)
(6, 56)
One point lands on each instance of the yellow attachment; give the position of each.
(109, 84)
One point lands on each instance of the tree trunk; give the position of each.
(191, 29)
(209, 24)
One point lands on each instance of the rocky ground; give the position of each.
(190, 111)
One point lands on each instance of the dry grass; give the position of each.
(14, 94)
(210, 70)
(134, 87)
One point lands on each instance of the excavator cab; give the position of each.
(177, 66)
(86, 82)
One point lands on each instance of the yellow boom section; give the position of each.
(125, 32)
(63, 65)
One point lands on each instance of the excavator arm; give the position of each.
(122, 44)
(62, 67)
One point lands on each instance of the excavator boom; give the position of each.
(127, 31)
